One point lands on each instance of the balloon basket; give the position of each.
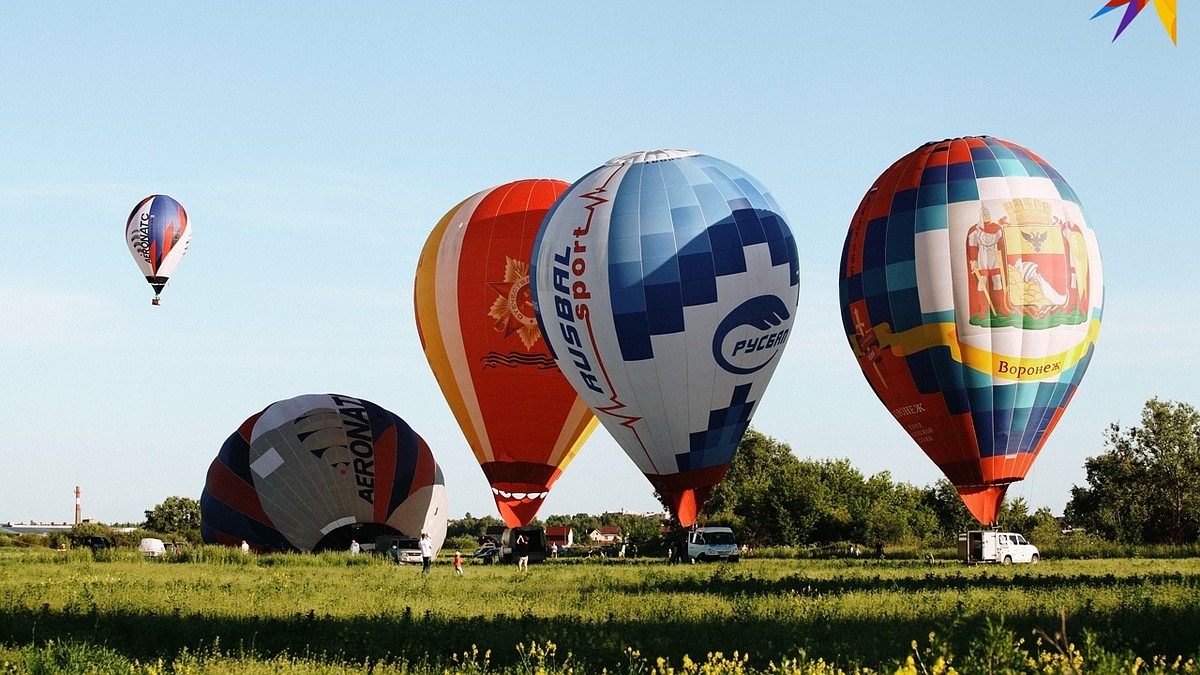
(156, 302)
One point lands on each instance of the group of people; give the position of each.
(521, 550)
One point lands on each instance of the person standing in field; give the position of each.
(245, 547)
(354, 547)
(522, 549)
(426, 552)
(458, 560)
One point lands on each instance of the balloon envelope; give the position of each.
(475, 316)
(666, 284)
(314, 472)
(158, 234)
(971, 294)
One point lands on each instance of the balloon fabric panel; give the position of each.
(474, 309)
(666, 284)
(157, 233)
(973, 328)
(312, 472)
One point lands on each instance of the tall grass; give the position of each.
(217, 610)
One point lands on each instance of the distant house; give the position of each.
(607, 534)
(561, 535)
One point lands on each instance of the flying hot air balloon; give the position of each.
(971, 295)
(315, 472)
(158, 234)
(666, 284)
(475, 317)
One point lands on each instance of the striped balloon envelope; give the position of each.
(666, 284)
(971, 295)
(158, 234)
(521, 418)
(318, 471)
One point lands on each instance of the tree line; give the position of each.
(1143, 488)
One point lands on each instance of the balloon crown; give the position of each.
(648, 156)
(948, 140)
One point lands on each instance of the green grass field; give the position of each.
(219, 611)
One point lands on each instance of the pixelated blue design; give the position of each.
(960, 171)
(933, 175)
(901, 276)
(903, 201)
(901, 246)
(950, 375)
(944, 316)
(715, 445)
(988, 168)
(905, 307)
(931, 195)
(931, 218)
(923, 370)
(676, 226)
(874, 282)
(624, 249)
(874, 236)
(1026, 394)
(1012, 167)
(961, 191)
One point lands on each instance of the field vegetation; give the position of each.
(216, 610)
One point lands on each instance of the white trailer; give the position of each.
(989, 546)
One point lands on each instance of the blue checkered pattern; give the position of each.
(1008, 418)
(676, 226)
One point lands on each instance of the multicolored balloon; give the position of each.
(971, 294)
(158, 234)
(314, 472)
(475, 317)
(666, 285)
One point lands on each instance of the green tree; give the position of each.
(176, 516)
(645, 532)
(1146, 486)
(471, 527)
(767, 496)
(951, 513)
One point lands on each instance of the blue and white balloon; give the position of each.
(666, 283)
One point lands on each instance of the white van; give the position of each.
(152, 548)
(988, 546)
(705, 544)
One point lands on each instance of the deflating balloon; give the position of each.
(158, 234)
(666, 285)
(314, 472)
(971, 294)
(475, 316)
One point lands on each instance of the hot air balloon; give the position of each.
(157, 233)
(666, 285)
(475, 317)
(318, 471)
(971, 295)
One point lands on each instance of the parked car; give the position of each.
(488, 554)
(151, 547)
(94, 542)
(398, 548)
(705, 544)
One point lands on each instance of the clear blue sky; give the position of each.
(315, 145)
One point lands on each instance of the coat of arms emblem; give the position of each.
(1029, 269)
